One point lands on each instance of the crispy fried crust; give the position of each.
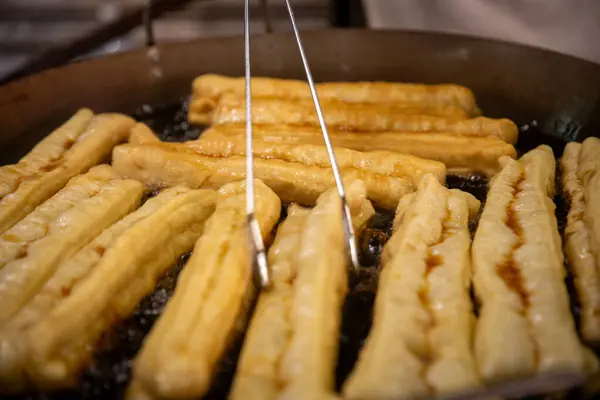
(302, 182)
(50, 148)
(141, 134)
(343, 114)
(61, 344)
(69, 274)
(291, 344)
(180, 354)
(361, 117)
(82, 142)
(518, 277)
(579, 246)
(588, 171)
(208, 89)
(460, 154)
(31, 250)
(420, 341)
(229, 140)
(257, 375)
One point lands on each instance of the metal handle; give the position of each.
(258, 248)
(346, 216)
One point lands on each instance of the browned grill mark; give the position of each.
(53, 164)
(100, 250)
(425, 356)
(432, 261)
(20, 180)
(511, 219)
(423, 296)
(18, 183)
(23, 252)
(508, 270)
(60, 159)
(68, 144)
(435, 260)
(511, 275)
(221, 155)
(11, 238)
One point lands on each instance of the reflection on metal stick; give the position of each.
(346, 216)
(266, 16)
(148, 27)
(258, 249)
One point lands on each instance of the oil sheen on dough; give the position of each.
(420, 340)
(209, 306)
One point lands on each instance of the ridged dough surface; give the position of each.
(33, 249)
(180, 354)
(301, 181)
(291, 345)
(361, 117)
(581, 245)
(461, 154)
(61, 344)
(82, 142)
(525, 326)
(13, 350)
(420, 340)
(207, 90)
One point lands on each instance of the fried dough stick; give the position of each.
(378, 162)
(142, 134)
(52, 147)
(291, 344)
(460, 154)
(207, 90)
(31, 250)
(525, 325)
(62, 342)
(82, 142)
(230, 109)
(180, 355)
(302, 177)
(68, 275)
(581, 186)
(361, 117)
(420, 341)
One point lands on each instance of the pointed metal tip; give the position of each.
(346, 216)
(262, 270)
(259, 258)
(350, 236)
(260, 266)
(354, 256)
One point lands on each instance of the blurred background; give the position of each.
(31, 27)
(51, 31)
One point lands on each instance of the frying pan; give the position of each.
(559, 93)
(552, 97)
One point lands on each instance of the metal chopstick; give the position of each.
(346, 216)
(259, 257)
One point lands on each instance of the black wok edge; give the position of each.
(526, 84)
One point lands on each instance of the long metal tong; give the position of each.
(259, 256)
(258, 249)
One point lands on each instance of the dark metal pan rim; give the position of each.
(408, 34)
